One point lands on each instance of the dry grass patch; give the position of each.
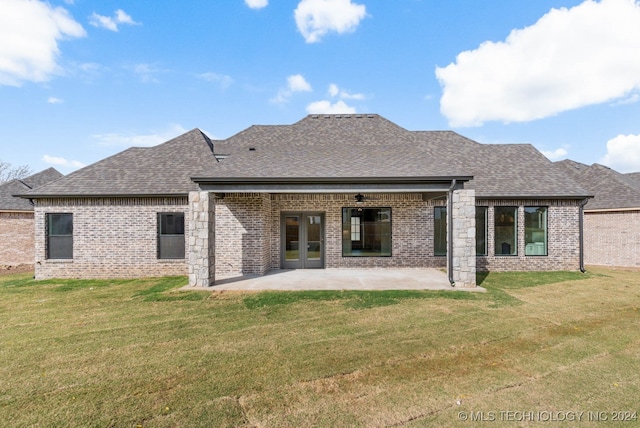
(142, 353)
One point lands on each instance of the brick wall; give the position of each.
(243, 235)
(411, 222)
(563, 238)
(112, 238)
(16, 238)
(117, 237)
(612, 238)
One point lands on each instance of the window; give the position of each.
(171, 236)
(481, 231)
(535, 231)
(506, 231)
(366, 232)
(440, 231)
(59, 236)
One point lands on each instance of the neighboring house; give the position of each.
(17, 219)
(612, 217)
(329, 191)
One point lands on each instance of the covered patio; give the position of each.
(339, 279)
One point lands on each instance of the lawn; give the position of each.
(535, 349)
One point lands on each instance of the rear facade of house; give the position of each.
(330, 191)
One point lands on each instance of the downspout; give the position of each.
(450, 232)
(581, 231)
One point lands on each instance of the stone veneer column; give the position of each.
(464, 238)
(202, 264)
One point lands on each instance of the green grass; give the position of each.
(143, 353)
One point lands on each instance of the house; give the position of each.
(612, 217)
(17, 218)
(329, 191)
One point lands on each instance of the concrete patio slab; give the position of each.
(339, 279)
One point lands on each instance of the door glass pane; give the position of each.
(314, 233)
(292, 238)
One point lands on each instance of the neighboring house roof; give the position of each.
(611, 189)
(321, 147)
(8, 202)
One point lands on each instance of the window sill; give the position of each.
(172, 260)
(58, 261)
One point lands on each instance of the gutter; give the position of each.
(450, 233)
(581, 232)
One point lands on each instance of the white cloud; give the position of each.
(147, 72)
(257, 4)
(30, 31)
(295, 83)
(111, 23)
(325, 107)
(139, 140)
(623, 153)
(335, 91)
(62, 162)
(570, 58)
(54, 100)
(223, 80)
(315, 18)
(556, 154)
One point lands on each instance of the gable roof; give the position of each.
(611, 189)
(8, 202)
(320, 149)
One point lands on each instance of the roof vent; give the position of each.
(370, 116)
(252, 149)
(359, 116)
(314, 116)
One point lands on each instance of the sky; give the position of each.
(81, 80)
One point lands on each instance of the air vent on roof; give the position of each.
(370, 116)
(252, 149)
(359, 116)
(314, 116)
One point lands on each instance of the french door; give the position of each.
(302, 240)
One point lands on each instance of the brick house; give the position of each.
(612, 217)
(329, 191)
(17, 218)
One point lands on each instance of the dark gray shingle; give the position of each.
(611, 189)
(10, 203)
(321, 146)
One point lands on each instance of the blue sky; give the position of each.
(81, 80)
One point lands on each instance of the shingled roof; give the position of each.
(611, 189)
(635, 176)
(340, 147)
(8, 202)
(163, 170)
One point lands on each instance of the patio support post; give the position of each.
(464, 238)
(201, 246)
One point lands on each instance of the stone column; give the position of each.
(202, 264)
(464, 238)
